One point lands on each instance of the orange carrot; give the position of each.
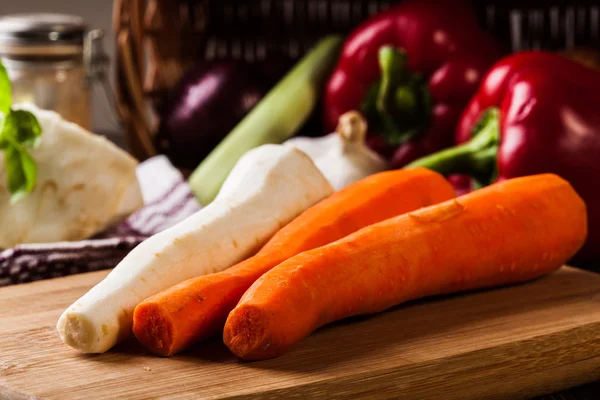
(509, 232)
(196, 309)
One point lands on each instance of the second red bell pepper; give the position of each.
(411, 69)
(535, 112)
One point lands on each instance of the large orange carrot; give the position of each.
(195, 309)
(506, 233)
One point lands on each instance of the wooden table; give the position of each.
(520, 341)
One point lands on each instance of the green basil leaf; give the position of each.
(2, 119)
(30, 169)
(21, 172)
(24, 127)
(19, 130)
(5, 88)
(3, 142)
(17, 182)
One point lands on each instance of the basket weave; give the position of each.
(158, 39)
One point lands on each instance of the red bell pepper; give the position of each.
(535, 112)
(411, 69)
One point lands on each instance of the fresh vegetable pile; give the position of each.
(172, 320)
(268, 187)
(358, 251)
(510, 232)
(302, 232)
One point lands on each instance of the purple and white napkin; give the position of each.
(167, 200)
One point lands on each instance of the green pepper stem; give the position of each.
(405, 100)
(398, 105)
(476, 158)
(393, 74)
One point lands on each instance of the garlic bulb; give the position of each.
(342, 157)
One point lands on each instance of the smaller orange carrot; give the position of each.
(509, 232)
(195, 309)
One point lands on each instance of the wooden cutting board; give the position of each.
(519, 342)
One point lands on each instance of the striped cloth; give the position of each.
(167, 200)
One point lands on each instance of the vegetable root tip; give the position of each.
(244, 333)
(78, 332)
(156, 333)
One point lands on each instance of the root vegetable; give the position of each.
(509, 232)
(269, 187)
(195, 309)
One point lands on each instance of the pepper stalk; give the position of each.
(476, 158)
(399, 104)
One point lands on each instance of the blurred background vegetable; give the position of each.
(411, 69)
(342, 156)
(277, 117)
(587, 56)
(535, 112)
(208, 102)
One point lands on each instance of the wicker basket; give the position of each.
(158, 39)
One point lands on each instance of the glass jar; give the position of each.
(52, 62)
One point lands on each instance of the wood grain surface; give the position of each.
(515, 342)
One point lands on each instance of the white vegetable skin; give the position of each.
(267, 188)
(84, 185)
(342, 156)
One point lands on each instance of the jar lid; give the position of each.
(41, 34)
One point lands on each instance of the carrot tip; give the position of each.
(244, 332)
(153, 329)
